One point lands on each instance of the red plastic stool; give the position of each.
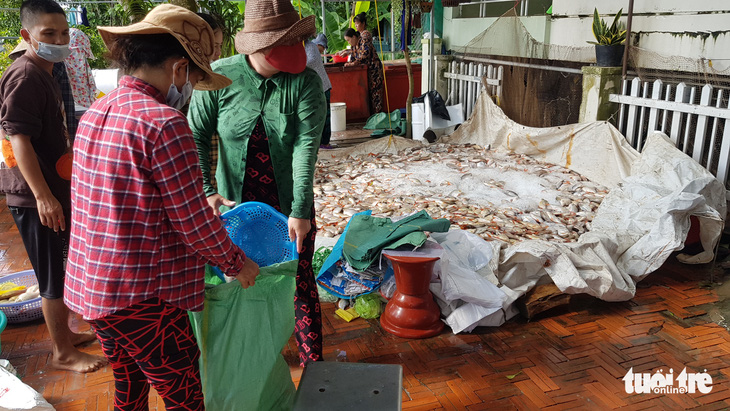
(412, 312)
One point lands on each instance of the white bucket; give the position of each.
(338, 117)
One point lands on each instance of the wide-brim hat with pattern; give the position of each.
(188, 28)
(271, 23)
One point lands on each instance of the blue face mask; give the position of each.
(53, 53)
(175, 98)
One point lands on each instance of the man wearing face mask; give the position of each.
(142, 227)
(37, 146)
(270, 124)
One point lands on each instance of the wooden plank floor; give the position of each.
(571, 357)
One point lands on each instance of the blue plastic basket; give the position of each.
(261, 232)
(23, 311)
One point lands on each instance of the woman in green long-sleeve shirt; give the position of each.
(270, 123)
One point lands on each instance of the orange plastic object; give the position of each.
(412, 312)
(8, 154)
(64, 166)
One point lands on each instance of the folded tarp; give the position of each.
(367, 236)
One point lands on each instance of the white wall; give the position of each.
(585, 7)
(692, 29)
(459, 31)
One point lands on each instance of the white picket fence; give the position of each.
(465, 83)
(695, 118)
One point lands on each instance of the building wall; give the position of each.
(693, 29)
(699, 29)
(458, 31)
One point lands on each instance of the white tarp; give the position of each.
(17, 396)
(641, 221)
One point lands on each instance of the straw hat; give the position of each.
(270, 23)
(18, 50)
(188, 28)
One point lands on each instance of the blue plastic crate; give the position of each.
(261, 232)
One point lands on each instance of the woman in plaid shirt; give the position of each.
(142, 227)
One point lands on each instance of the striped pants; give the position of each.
(151, 342)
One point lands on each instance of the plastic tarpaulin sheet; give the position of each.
(641, 221)
(597, 150)
(17, 396)
(241, 333)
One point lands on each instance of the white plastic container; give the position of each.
(338, 116)
(106, 79)
(417, 120)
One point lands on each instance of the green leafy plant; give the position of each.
(10, 18)
(338, 19)
(606, 35)
(230, 16)
(135, 10)
(5, 49)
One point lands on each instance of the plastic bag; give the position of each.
(467, 293)
(14, 395)
(368, 306)
(384, 124)
(438, 105)
(388, 288)
(325, 296)
(241, 333)
(320, 256)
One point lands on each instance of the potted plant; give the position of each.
(609, 40)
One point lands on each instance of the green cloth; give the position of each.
(293, 110)
(241, 333)
(367, 236)
(380, 120)
(382, 126)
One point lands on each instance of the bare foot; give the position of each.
(79, 362)
(82, 337)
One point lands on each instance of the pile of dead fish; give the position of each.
(499, 196)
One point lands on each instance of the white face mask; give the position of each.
(54, 53)
(175, 98)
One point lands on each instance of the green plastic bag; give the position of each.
(368, 306)
(241, 333)
(384, 124)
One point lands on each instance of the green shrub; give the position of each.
(5, 50)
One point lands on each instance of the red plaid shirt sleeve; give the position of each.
(176, 172)
(141, 226)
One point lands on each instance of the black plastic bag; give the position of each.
(438, 106)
